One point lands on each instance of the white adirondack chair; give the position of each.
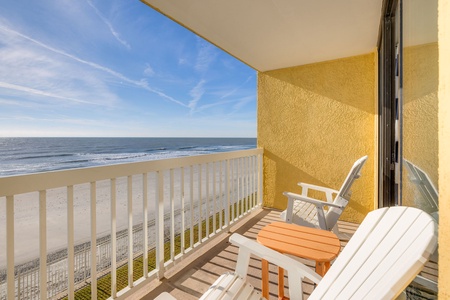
(388, 250)
(306, 211)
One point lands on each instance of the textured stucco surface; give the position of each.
(314, 121)
(444, 146)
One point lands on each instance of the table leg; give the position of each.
(265, 278)
(280, 283)
(322, 267)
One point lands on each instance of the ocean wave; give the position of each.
(34, 155)
(45, 156)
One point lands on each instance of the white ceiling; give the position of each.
(274, 34)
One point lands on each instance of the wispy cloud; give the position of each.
(40, 93)
(233, 91)
(240, 103)
(207, 53)
(109, 25)
(138, 83)
(196, 93)
(149, 70)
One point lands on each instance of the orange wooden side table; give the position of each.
(319, 245)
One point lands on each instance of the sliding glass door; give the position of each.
(408, 116)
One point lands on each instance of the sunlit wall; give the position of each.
(314, 122)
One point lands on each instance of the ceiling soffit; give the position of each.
(270, 35)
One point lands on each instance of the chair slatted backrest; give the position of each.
(344, 193)
(384, 255)
(423, 183)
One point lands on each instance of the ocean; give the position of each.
(20, 156)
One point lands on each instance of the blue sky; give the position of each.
(116, 68)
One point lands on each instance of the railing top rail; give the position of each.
(20, 184)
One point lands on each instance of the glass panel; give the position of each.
(420, 105)
(419, 148)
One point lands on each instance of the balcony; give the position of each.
(228, 184)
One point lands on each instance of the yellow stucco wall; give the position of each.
(444, 148)
(314, 121)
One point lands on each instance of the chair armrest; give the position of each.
(296, 270)
(319, 207)
(328, 192)
(317, 203)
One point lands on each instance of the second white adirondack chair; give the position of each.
(306, 211)
(425, 186)
(390, 247)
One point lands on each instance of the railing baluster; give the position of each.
(227, 191)
(240, 189)
(172, 217)
(159, 210)
(191, 179)
(182, 210)
(250, 166)
(200, 203)
(232, 187)
(130, 230)
(253, 182)
(70, 243)
(247, 183)
(43, 244)
(207, 204)
(221, 195)
(10, 247)
(145, 221)
(214, 197)
(260, 179)
(113, 238)
(93, 241)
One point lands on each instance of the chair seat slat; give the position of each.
(230, 286)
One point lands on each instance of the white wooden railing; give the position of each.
(177, 197)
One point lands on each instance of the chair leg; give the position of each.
(265, 278)
(280, 283)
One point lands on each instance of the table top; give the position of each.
(311, 243)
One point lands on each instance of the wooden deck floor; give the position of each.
(192, 277)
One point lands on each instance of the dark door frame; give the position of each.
(387, 105)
